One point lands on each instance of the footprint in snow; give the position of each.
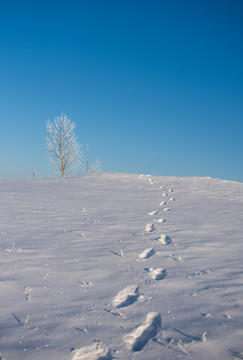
(14, 249)
(157, 274)
(206, 315)
(200, 273)
(97, 351)
(85, 283)
(27, 291)
(227, 316)
(150, 227)
(178, 258)
(155, 212)
(161, 220)
(164, 239)
(137, 339)
(147, 253)
(126, 296)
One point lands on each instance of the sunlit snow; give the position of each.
(99, 267)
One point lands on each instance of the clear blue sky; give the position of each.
(153, 86)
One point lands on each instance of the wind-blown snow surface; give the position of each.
(74, 285)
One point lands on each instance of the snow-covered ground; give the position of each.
(121, 266)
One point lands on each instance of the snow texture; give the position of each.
(74, 283)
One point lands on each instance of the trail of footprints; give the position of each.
(138, 338)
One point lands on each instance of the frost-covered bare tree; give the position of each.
(95, 167)
(87, 159)
(63, 149)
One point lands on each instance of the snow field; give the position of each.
(84, 277)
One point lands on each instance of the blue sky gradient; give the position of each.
(153, 86)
